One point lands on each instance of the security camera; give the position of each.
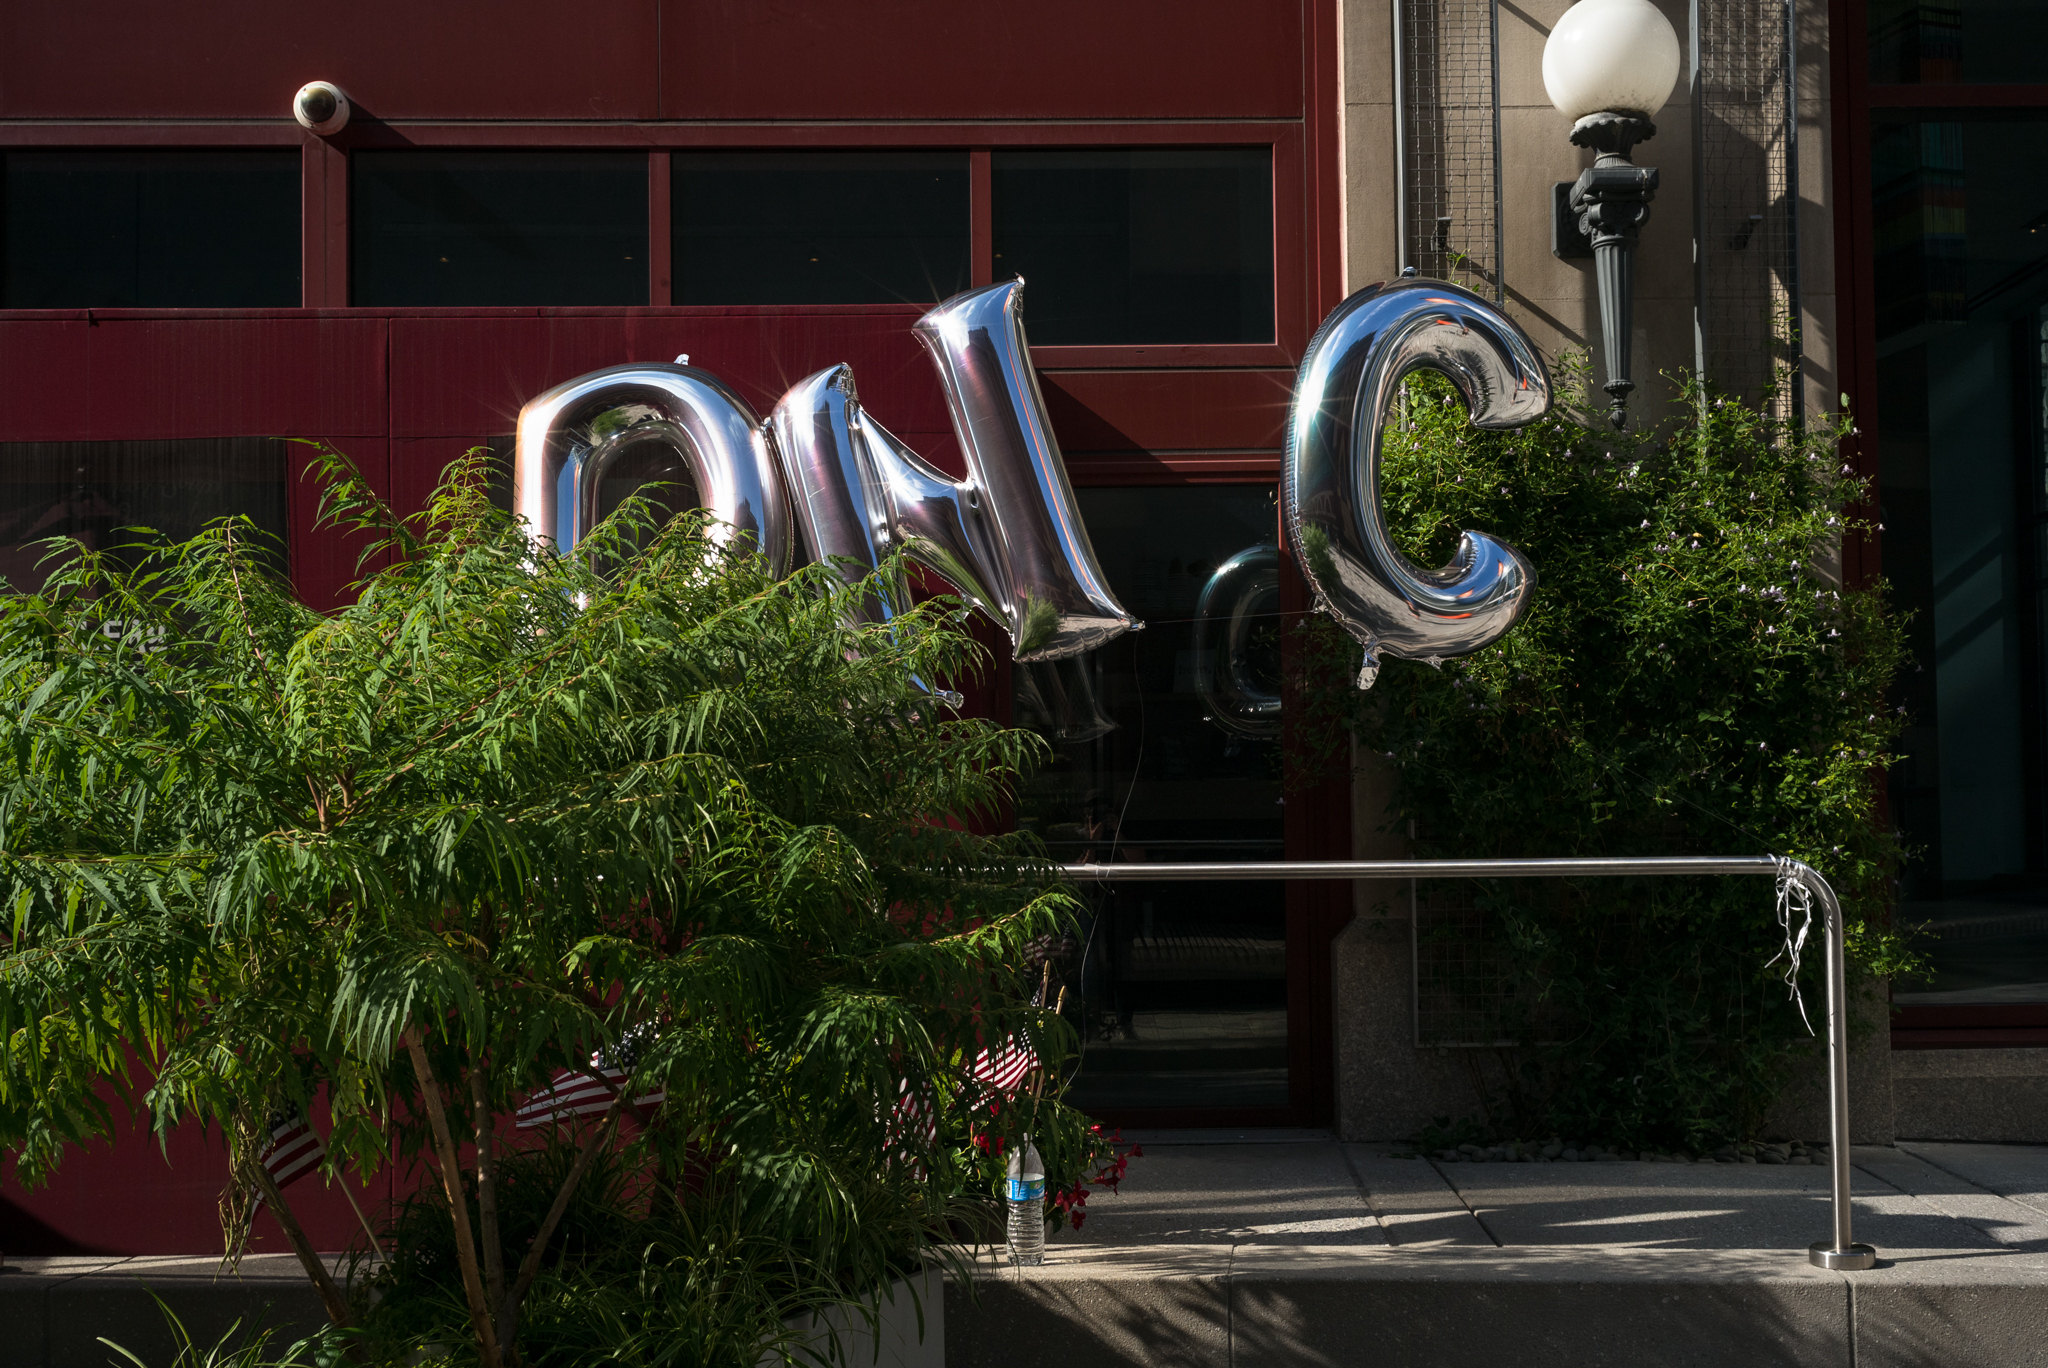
(321, 106)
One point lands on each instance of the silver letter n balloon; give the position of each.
(1008, 537)
(1330, 474)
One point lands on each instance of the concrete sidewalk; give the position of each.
(1294, 1249)
(1288, 1248)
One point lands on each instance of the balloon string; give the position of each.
(1288, 613)
(1795, 900)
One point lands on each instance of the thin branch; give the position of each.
(234, 575)
(529, 1267)
(458, 1208)
(330, 1295)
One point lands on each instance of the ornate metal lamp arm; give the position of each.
(1612, 201)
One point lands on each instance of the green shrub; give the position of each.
(507, 810)
(1691, 679)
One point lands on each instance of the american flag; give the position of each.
(585, 1092)
(294, 1149)
(1004, 1068)
(998, 1071)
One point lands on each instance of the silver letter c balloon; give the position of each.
(1009, 537)
(1330, 472)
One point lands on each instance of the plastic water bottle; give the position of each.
(1025, 1196)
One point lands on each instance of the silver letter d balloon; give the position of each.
(822, 480)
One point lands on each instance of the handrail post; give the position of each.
(1843, 1252)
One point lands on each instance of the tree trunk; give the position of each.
(330, 1295)
(458, 1209)
(487, 1209)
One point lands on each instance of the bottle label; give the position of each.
(1026, 1189)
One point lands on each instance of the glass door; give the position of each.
(1165, 746)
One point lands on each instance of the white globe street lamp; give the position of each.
(1609, 66)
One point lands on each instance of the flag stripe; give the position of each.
(294, 1150)
(577, 1094)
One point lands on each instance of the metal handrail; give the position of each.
(1844, 1252)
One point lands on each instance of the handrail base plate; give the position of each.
(1821, 1254)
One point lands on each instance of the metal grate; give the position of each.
(1448, 104)
(1746, 166)
(1471, 989)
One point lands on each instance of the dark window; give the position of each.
(100, 492)
(1961, 277)
(167, 230)
(1143, 245)
(819, 227)
(1999, 42)
(499, 228)
(1165, 745)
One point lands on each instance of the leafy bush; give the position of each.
(237, 1347)
(506, 813)
(1692, 679)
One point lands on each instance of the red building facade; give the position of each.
(1166, 177)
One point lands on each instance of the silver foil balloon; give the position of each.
(860, 494)
(571, 435)
(1009, 537)
(1330, 473)
(1045, 585)
(1242, 590)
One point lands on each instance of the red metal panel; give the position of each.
(325, 561)
(468, 376)
(924, 59)
(1168, 410)
(417, 464)
(138, 374)
(133, 1198)
(44, 393)
(503, 59)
